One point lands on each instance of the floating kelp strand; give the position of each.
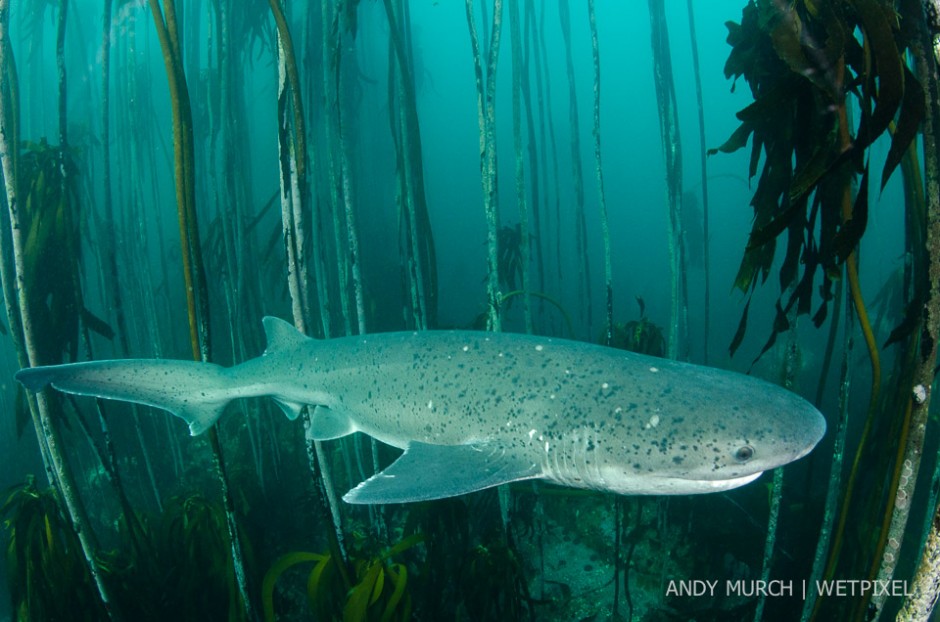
(489, 169)
(422, 261)
(535, 176)
(672, 153)
(295, 282)
(547, 118)
(290, 224)
(9, 92)
(329, 64)
(292, 216)
(599, 170)
(145, 454)
(350, 251)
(221, 187)
(517, 78)
(128, 230)
(231, 521)
(790, 370)
(182, 172)
(408, 246)
(703, 146)
(427, 248)
(407, 228)
(333, 255)
(135, 252)
(193, 268)
(486, 110)
(291, 158)
(108, 247)
(351, 246)
(576, 172)
(62, 97)
(830, 508)
(769, 541)
(321, 192)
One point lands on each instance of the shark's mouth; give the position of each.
(726, 484)
(675, 485)
(693, 485)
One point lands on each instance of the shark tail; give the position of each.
(195, 392)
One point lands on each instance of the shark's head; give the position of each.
(722, 432)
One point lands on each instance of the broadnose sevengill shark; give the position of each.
(474, 410)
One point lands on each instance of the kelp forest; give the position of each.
(752, 185)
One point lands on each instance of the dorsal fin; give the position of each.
(280, 335)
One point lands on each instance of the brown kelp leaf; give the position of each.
(849, 234)
(756, 150)
(781, 324)
(825, 292)
(821, 162)
(737, 140)
(734, 66)
(96, 324)
(792, 258)
(803, 53)
(750, 264)
(910, 323)
(820, 316)
(761, 235)
(772, 104)
(876, 22)
(742, 328)
(786, 33)
(748, 45)
(910, 117)
(803, 293)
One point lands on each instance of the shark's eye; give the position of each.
(744, 453)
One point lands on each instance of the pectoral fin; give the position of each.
(426, 472)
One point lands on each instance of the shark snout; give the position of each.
(799, 433)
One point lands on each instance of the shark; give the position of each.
(473, 410)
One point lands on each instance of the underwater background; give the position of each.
(175, 171)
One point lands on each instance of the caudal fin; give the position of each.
(195, 392)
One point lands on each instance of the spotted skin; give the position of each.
(505, 406)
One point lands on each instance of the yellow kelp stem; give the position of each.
(184, 175)
(193, 270)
